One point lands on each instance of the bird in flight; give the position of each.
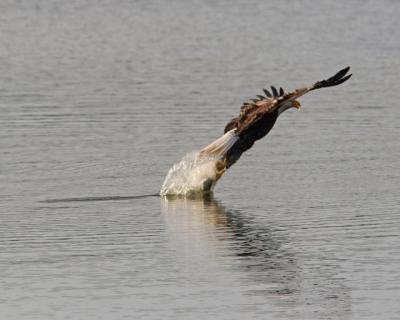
(256, 118)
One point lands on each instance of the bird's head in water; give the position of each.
(292, 104)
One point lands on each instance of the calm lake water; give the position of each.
(101, 98)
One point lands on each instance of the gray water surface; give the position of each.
(99, 99)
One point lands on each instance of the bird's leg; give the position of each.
(220, 168)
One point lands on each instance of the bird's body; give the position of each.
(259, 130)
(256, 118)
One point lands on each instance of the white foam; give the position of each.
(196, 172)
(191, 175)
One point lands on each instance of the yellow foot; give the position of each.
(220, 168)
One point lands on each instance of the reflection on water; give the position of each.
(259, 255)
(254, 246)
(248, 240)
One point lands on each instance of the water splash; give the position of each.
(195, 173)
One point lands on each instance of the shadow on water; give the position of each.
(256, 251)
(104, 198)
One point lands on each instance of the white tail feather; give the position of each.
(221, 146)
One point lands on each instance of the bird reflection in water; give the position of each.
(256, 259)
(202, 229)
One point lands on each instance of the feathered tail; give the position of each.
(217, 151)
(221, 146)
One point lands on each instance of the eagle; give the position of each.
(256, 118)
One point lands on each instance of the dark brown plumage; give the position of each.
(257, 117)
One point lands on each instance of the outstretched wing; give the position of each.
(253, 111)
